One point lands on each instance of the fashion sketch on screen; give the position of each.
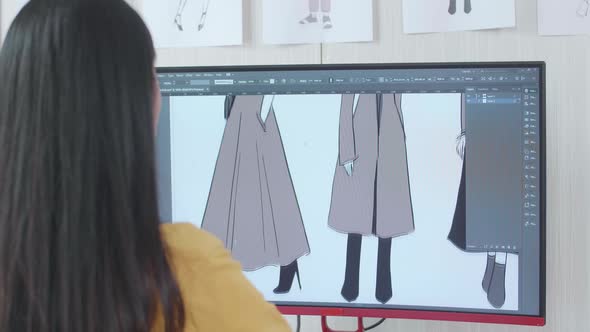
(252, 206)
(204, 6)
(319, 12)
(493, 281)
(371, 188)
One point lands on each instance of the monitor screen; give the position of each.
(373, 190)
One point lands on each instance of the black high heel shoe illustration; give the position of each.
(286, 277)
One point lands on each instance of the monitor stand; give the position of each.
(326, 328)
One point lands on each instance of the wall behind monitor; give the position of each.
(568, 132)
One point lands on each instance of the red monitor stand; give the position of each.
(326, 328)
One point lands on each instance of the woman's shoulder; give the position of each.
(188, 241)
(213, 286)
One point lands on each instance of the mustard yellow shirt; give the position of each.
(217, 296)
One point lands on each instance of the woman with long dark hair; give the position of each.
(81, 246)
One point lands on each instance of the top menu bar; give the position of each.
(335, 81)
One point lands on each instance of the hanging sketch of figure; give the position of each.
(583, 8)
(315, 14)
(494, 279)
(371, 188)
(252, 206)
(453, 7)
(180, 11)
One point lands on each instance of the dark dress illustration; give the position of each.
(494, 279)
(371, 188)
(453, 7)
(252, 205)
(315, 15)
(180, 11)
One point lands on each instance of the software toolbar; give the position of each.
(326, 81)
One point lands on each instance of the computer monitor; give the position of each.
(385, 190)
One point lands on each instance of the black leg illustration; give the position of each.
(583, 8)
(350, 288)
(383, 292)
(326, 8)
(204, 11)
(286, 277)
(314, 13)
(327, 22)
(497, 290)
(487, 276)
(178, 17)
(453, 7)
(467, 6)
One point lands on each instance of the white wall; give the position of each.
(568, 132)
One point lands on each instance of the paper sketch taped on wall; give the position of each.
(315, 14)
(583, 8)
(453, 7)
(182, 5)
(317, 21)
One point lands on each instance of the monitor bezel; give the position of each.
(440, 315)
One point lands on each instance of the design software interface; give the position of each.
(377, 188)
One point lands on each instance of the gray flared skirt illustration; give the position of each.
(375, 197)
(252, 206)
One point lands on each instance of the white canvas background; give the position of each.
(223, 25)
(427, 269)
(352, 22)
(423, 16)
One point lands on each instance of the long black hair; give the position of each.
(80, 246)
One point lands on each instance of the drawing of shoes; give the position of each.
(309, 19)
(497, 290)
(453, 7)
(467, 7)
(202, 21)
(286, 276)
(178, 22)
(584, 8)
(204, 11)
(327, 22)
(487, 277)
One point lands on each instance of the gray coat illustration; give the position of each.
(375, 198)
(252, 206)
